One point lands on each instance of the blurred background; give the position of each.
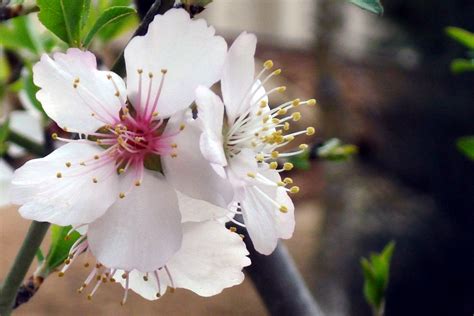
(383, 84)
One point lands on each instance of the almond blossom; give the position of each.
(101, 177)
(243, 146)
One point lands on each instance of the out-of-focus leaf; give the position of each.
(16, 34)
(460, 65)
(61, 243)
(334, 150)
(65, 18)
(462, 36)
(4, 132)
(466, 146)
(301, 161)
(108, 17)
(39, 256)
(373, 6)
(31, 89)
(376, 273)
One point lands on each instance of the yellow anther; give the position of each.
(277, 72)
(77, 80)
(164, 71)
(288, 166)
(282, 111)
(251, 175)
(266, 118)
(295, 189)
(96, 157)
(121, 170)
(181, 127)
(275, 154)
(254, 144)
(86, 265)
(174, 155)
(67, 261)
(281, 89)
(59, 175)
(89, 297)
(140, 71)
(61, 274)
(94, 180)
(311, 102)
(145, 278)
(138, 183)
(286, 126)
(295, 102)
(288, 180)
(283, 209)
(150, 75)
(122, 195)
(310, 131)
(117, 93)
(155, 114)
(263, 104)
(233, 229)
(109, 76)
(54, 136)
(112, 280)
(303, 146)
(68, 164)
(273, 165)
(281, 183)
(275, 120)
(174, 145)
(289, 138)
(296, 116)
(260, 157)
(268, 64)
(259, 112)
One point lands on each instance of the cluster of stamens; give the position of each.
(266, 131)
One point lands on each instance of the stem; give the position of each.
(20, 266)
(279, 282)
(24, 142)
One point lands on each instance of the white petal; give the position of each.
(210, 260)
(72, 199)
(238, 75)
(6, 173)
(71, 107)
(141, 231)
(187, 49)
(28, 125)
(264, 221)
(193, 210)
(189, 172)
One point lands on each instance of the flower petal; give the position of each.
(187, 49)
(238, 74)
(210, 260)
(193, 210)
(189, 172)
(6, 174)
(141, 231)
(50, 191)
(28, 125)
(71, 107)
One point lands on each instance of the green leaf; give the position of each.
(462, 36)
(376, 276)
(109, 16)
(301, 161)
(460, 65)
(39, 256)
(17, 34)
(4, 133)
(61, 243)
(466, 146)
(65, 18)
(334, 150)
(31, 89)
(373, 6)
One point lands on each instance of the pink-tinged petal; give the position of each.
(141, 231)
(211, 116)
(210, 260)
(238, 75)
(75, 94)
(6, 174)
(189, 172)
(27, 124)
(193, 210)
(58, 189)
(187, 49)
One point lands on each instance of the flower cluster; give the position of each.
(150, 180)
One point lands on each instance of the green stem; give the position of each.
(18, 270)
(24, 142)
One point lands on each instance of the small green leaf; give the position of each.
(4, 133)
(301, 161)
(109, 16)
(373, 6)
(466, 146)
(65, 18)
(462, 36)
(31, 89)
(61, 243)
(460, 65)
(39, 256)
(16, 34)
(334, 150)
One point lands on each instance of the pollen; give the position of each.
(276, 72)
(140, 71)
(251, 175)
(283, 209)
(288, 180)
(260, 157)
(121, 170)
(295, 189)
(268, 64)
(59, 175)
(233, 229)
(174, 145)
(122, 195)
(273, 165)
(295, 102)
(263, 104)
(286, 126)
(96, 157)
(94, 180)
(281, 89)
(311, 102)
(138, 183)
(61, 274)
(275, 154)
(310, 131)
(287, 166)
(54, 136)
(164, 71)
(181, 127)
(296, 116)
(68, 164)
(303, 146)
